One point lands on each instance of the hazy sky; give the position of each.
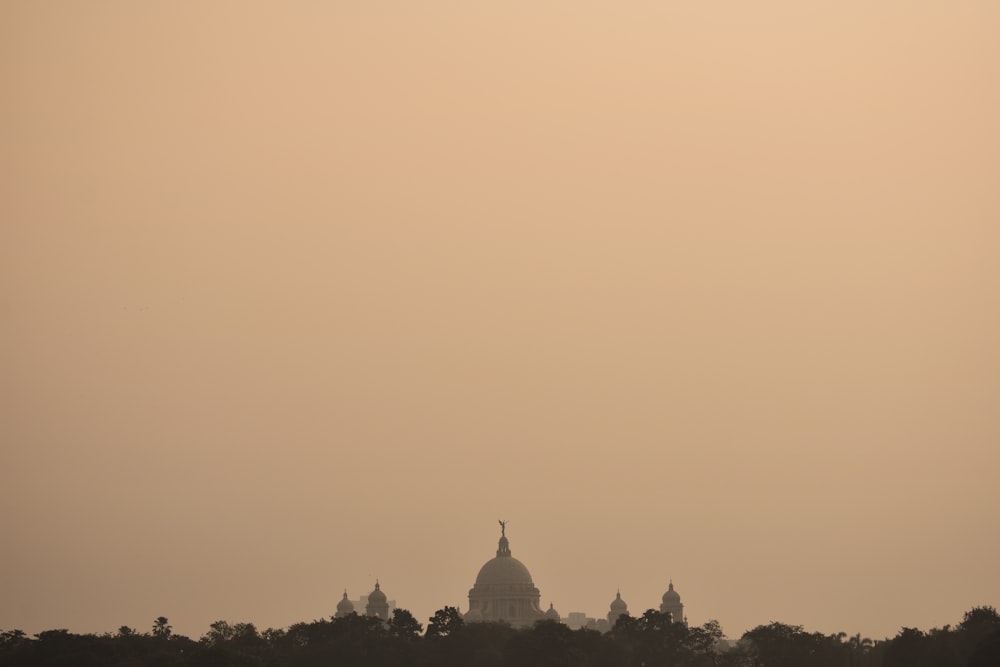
(294, 295)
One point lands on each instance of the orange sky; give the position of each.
(294, 295)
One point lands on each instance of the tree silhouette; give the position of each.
(444, 622)
(403, 626)
(361, 641)
(161, 627)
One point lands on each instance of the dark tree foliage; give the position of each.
(552, 644)
(654, 639)
(780, 645)
(56, 648)
(480, 644)
(161, 627)
(444, 622)
(360, 641)
(402, 625)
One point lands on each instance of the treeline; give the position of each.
(648, 640)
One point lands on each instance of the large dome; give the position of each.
(504, 590)
(503, 571)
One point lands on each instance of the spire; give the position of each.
(376, 585)
(345, 593)
(503, 547)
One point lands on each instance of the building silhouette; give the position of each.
(504, 590)
(378, 604)
(618, 608)
(672, 605)
(345, 607)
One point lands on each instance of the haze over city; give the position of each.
(294, 296)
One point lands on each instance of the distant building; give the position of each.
(504, 590)
(346, 607)
(577, 620)
(618, 608)
(672, 605)
(378, 605)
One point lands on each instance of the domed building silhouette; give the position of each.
(504, 590)
(373, 604)
(345, 607)
(672, 605)
(618, 608)
(378, 605)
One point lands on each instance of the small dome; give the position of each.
(345, 606)
(618, 604)
(376, 596)
(671, 595)
(552, 613)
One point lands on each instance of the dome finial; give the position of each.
(503, 548)
(376, 584)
